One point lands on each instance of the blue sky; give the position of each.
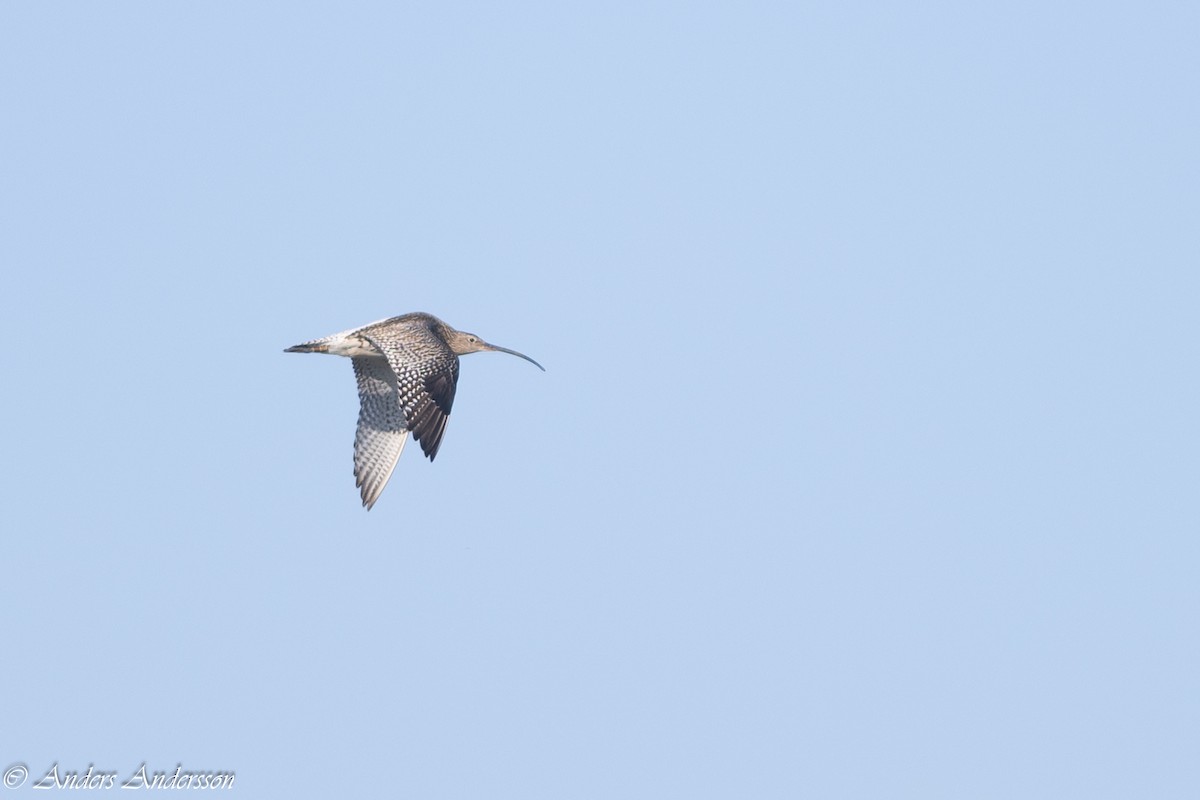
(864, 464)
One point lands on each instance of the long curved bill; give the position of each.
(515, 353)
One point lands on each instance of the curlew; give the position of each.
(407, 370)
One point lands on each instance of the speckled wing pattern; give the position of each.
(426, 374)
(382, 427)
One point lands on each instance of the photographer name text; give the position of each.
(57, 777)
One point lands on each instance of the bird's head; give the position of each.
(462, 343)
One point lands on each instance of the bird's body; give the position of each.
(407, 371)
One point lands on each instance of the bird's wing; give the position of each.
(431, 401)
(382, 427)
(426, 372)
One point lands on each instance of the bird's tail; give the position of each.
(309, 347)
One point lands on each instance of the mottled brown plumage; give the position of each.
(407, 371)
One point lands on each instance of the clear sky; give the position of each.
(865, 464)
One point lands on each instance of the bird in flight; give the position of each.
(407, 370)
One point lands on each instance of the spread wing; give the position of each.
(426, 372)
(382, 427)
